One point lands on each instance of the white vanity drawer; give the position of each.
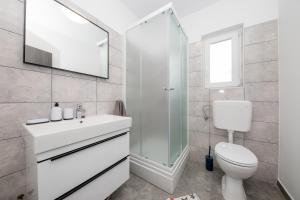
(61, 173)
(105, 185)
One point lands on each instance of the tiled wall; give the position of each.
(260, 86)
(28, 91)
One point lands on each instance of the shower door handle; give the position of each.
(168, 89)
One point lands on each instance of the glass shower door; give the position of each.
(156, 88)
(147, 99)
(175, 92)
(177, 81)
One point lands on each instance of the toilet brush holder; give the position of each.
(209, 162)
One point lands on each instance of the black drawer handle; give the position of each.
(81, 148)
(78, 187)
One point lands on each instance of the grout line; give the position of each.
(261, 42)
(260, 141)
(24, 69)
(97, 82)
(51, 89)
(256, 82)
(264, 61)
(11, 138)
(259, 62)
(25, 102)
(4, 29)
(12, 173)
(120, 50)
(193, 57)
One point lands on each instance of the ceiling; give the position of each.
(141, 8)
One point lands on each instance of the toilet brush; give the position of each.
(209, 161)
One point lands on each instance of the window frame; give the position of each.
(236, 37)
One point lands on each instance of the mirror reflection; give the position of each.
(57, 37)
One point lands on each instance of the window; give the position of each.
(223, 59)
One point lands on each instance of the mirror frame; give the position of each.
(83, 16)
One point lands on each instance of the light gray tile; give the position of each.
(116, 41)
(69, 89)
(109, 91)
(12, 186)
(11, 15)
(115, 75)
(224, 133)
(196, 49)
(196, 108)
(197, 154)
(198, 94)
(261, 52)
(266, 172)
(198, 124)
(199, 139)
(215, 139)
(24, 86)
(11, 48)
(12, 156)
(196, 64)
(106, 107)
(264, 132)
(260, 72)
(227, 94)
(195, 79)
(265, 152)
(265, 112)
(115, 57)
(264, 91)
(90, 107)
(13, 115)
(261, 32)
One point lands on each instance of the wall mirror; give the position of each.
(58, 37)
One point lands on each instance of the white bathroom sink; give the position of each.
(57, 134)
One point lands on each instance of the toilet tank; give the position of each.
(232, 115)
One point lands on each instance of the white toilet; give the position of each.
(236, 161)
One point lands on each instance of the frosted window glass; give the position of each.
(221, 62)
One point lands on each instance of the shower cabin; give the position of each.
(156, 97)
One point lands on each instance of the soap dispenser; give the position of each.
(56, 113)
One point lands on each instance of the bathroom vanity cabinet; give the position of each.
(77, 159)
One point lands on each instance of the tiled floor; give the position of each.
(195, 179)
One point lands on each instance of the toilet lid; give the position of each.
(236, 154)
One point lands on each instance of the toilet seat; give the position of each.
(236, 154)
